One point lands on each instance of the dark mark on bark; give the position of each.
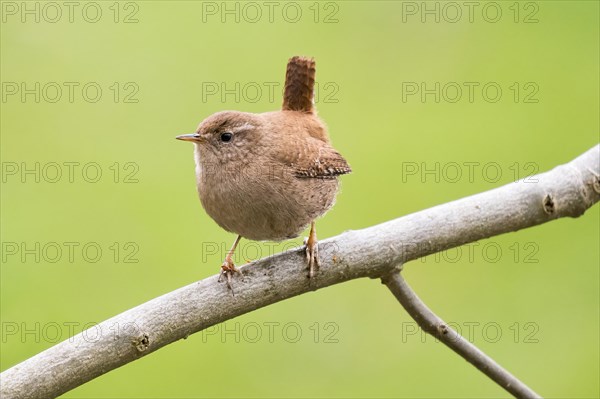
(443, 329)
(141, 343)
(548, 204)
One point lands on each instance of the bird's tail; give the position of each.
(299, 85)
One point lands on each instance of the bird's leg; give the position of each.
(312, 251)
(228, 268)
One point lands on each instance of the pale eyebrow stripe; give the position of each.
(245, 126)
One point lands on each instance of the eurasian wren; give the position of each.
(267, 176)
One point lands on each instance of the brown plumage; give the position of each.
(268, 176)
(299, 85)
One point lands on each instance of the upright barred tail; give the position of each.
(299, 85)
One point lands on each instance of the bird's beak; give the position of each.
(190, 137)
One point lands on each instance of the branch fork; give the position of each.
(566, 191)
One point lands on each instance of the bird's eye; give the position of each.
(226, 137)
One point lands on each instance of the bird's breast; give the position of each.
(263, 201)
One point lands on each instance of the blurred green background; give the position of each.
(530, 299)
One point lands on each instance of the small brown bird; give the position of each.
(267, 176)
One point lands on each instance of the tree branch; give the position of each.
(432, 324)
(567, 190)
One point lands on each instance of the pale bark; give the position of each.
(567, 190)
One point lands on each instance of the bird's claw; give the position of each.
(228, 269)
(312, 256)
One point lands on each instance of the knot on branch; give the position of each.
(443, 329)
(142, 342)
(548, 204)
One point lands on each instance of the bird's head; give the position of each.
(225, 136)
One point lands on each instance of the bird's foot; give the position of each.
(312, 252)
(312, 258)
(228, 269)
